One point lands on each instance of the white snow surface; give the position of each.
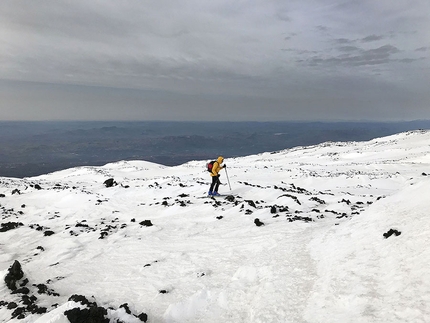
(321, 258)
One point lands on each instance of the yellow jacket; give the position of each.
(216, 167)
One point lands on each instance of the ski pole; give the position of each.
(228, 180)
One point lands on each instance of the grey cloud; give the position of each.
(367, 39)
(343, 41)
(371, 38)
(422, 49)
(408, 60)
(381, 52)
(245, 54)
(348, 48)
(300, 52)
(376, 56)
(290, 36)
(74, 20)
(322, 28)
(283, 16)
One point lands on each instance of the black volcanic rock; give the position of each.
(88, 315)
(10, 226)
(251, 203)
(14, 274)
(19, 313)
(80, 299)
(22, 290)
(110, 182)
(143, 317)
(230, 198)
(94, 313)
(390, 232)
(12, 305)
(43, 289)
(258, 223)
(146, 223)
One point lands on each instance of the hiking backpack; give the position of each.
(210, 165)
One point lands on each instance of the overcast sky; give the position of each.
(215, 60)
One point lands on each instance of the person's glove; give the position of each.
(225, 166)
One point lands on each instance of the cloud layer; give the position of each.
(256, 60)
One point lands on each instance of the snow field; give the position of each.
(320, 257)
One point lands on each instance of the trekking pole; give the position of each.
(228, 180)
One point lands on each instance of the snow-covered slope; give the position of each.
(300, 239)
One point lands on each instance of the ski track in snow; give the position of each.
(319, 257)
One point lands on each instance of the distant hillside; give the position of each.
(34, 148)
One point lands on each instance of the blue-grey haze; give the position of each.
(34, 148)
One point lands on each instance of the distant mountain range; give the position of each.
(34, 148)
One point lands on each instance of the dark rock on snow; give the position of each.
(94, 313)
(48, 233)
(10, 226)
(146, 223)
(390, 232)
(318, 200)
(143, 317)
(22, 290)
(43, 289)
(258, 223)
(12, 305)
(87, 315)
(28, 301)
(14, 274)
(230, 198)
(110, 182)
(91, 314)
(251, 203)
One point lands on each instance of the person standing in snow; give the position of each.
(216, 168)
